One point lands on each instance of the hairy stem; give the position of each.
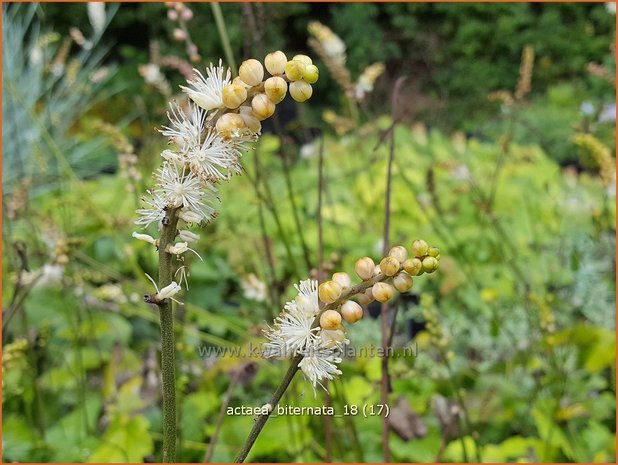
(168, 356)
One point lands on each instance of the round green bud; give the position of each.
(433, 252)
(413, 266)
(311, 74)
(294, 70)
(430, 264)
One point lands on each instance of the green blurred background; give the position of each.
(504, 158)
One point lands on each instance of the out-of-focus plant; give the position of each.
(48, 85)
(332, 50)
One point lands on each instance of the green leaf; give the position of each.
(125, 440)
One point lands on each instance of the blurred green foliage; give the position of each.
(524, 298)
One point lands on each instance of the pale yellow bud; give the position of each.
(351, 311)
(419, 248)
(330, 319)
(332, 337)
(262, 107)
(382, 292)
(251, 71)
(233, 95)
(402, 282)
(390, 266)
(364, 268)
(304, 59)
(376, 270)
(229, 124)
(399, 252)
(294, 70)
(329, 292)
(240, 82)
(412, 266)
(365, 298)
(311, 74)
(252, 123)
(300, 91)
(275, 63)
(276, 88)
(343, 279)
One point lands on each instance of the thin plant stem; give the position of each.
(385, 380)
(168, 356)
(261, 420)
(328, 421)
(267, 248)
(290, 191)
(225, 39)
(464, 409)
(299, 228)
(221, 417)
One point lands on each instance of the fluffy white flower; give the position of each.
(215, 158)
(185, 130)
(294, 334)
(307, 299)
(319, 364)
(154, 210)
(293, 331)
(179, 188)
(207, 91)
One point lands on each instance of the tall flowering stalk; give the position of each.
(311, 330)
(207, 139)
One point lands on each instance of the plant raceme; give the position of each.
(208, 137)
(311, 325)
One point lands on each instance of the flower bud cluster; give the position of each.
(396, 266)
(208, 137)
(312, 325)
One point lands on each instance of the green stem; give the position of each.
(225, 39)
(168, 358)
